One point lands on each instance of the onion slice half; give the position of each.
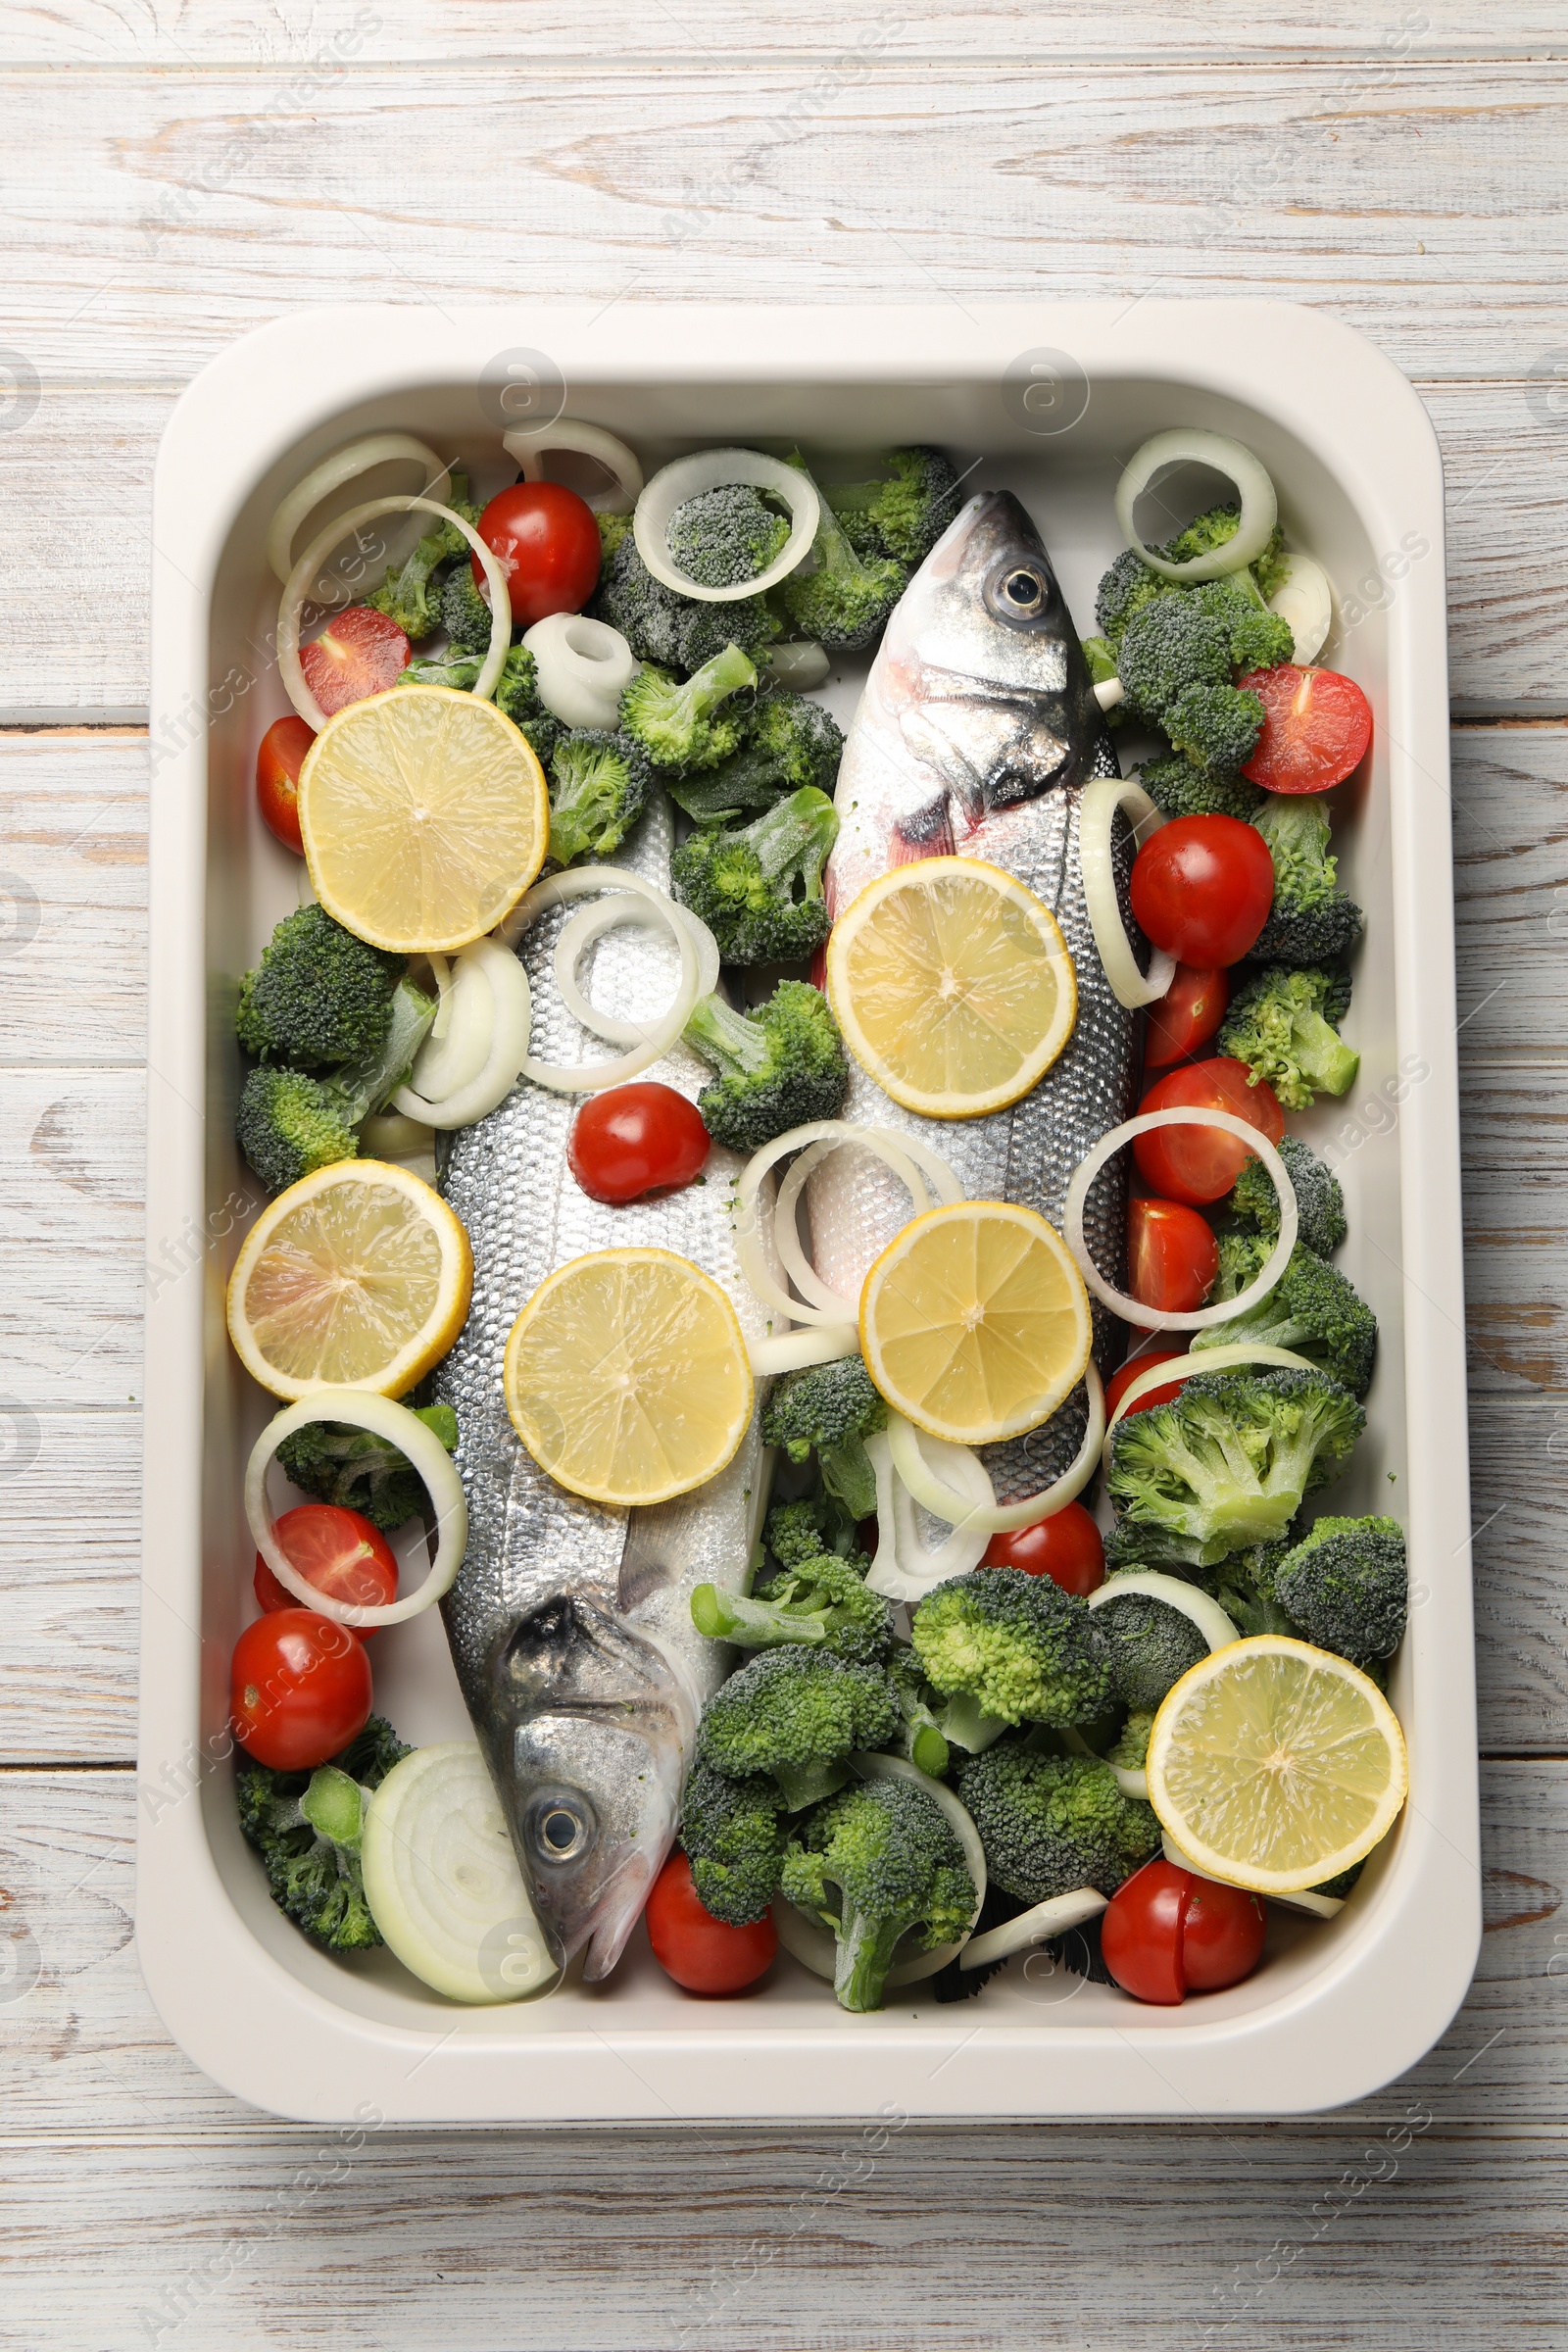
(983, 1519)
(442, 1879)
(1200, 1318)
(383, 1418)
(797, 1351)
(1038, 1925)
(1103, 796)
(590, 923)
(806, 1939)
(904, 1568)
(584, 440)
(1305, 599)
(718, 470)
(344, 465)
(1221, 455)
(592, 1077)
(492, 1014)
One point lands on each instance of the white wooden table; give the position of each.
(170, 176)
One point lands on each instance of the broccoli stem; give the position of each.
(753, 1624)
(1327, 1061)
(966, 1723)
(364, 1086)
(928, 1749)
(334, 1806)
(726, 1037)
(847, 1472)
(864, 1954)
(805, 1785)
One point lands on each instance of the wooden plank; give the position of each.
(1514, 1123)
(165, 209)
(1519, 1511)
(1510, 841)
(71, 1238)
(70, 1594)
(74, 896)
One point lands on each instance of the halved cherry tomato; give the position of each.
(703, 1953)
(300, 1690)
(1201, 888)
(1198, 1164)
(1172, 1255)
(1316, 726)
(548, 542)
(1167, 1933)
(1067, 1547)
(1120, 1382)
(637, 1139)
(360, 652)
(338, 1552)
(1187, 1016)
(278, 759)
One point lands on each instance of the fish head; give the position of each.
(593, 1723)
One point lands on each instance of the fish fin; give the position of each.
(925, 833)
(640, 1579)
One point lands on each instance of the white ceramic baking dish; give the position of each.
(1050, 400)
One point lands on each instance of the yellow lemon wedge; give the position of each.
(425, 818)
(975, 1322)
(626, 1376)
(357, 1277)
(1275, 1765)
(953, 985)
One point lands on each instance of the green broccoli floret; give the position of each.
(782, 1064)
(1259, 638)
(791, 742)
(1125, 589)
(1311, 921)
(1313, 1308)
(306, 1825)
(1051, 1824)
(1216, 727)
(465, 613)
(1319, 1198)
(288, 1124)
(919, 1735)
(1215, 529)
(1179, 787)
(684, 726)
(1168, 645)
(723, 536)
(1130, 1749)
(1102, 662)
(734, 1832)
(823, 1601)
(797, 1712)
(599, 784)
(743, 881)
(876, 1864)
(831, 1409)
(410, 594)
(1348, 1588)
(845, 601)
(1283, 1024)
(1018, 1645)
(801, 1530)
(1226, 1464)
(905, 514)
(1151, 1645)
(517, 692)
(1243, 1585)
(338, 1463)
(319, 996)
(613, 529)
(675, 630)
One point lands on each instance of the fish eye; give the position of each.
(1023, 590)
(560, 1827)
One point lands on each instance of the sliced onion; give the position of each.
(915, 1472)
(467, 1022)
(1197, 1607)
(912, 1162)
(1320, 1906)
(716, 470)
(390, 1135)
(344, 465)
(502, 1030)
(1201, 1318)
(797, 666)
(806, 1939)
(297, 587)
(1305, 599)
(442, 1879)
(578, 934)
(1184, 1367)
(1109, 692)
(795, 1351)
(587, 441)
(592, 1077)
(1039, 1926)
(584, 667)
(1221, 455)
(361, 1408)
(1103, 796)
(903, 1569)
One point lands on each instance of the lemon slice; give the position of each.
(626, 1376)
(975, 1322)
(1274, 1765)
(357, 1277)
(425, 818)
(952, 986)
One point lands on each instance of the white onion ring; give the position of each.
(903, 1569)
(578, 934)
(343, 465)
(1319, 1906)
(1038, 1925)
(585, 666)
(1184, 446)
(510, 1018)
(800, 666)
(1197, 1607)
(1201, 1318)
(1305, 599)
(592, 1077)
(716, 470)
(1003, 1518)
(455, 1058)
(908, 1160)
(1103, 796)
(304, 571)
(806, 1939)
(797, 1351)
(424, 1448)
(1185, 1367)
(587, 441)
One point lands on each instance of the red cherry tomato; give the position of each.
(1187, 1016)
(1172, 1255)
(700, 1952)
(1067, 1547)
(338, 1552)
(1199, 1164)
(1201, 888)
(1316, 727)
(1222, 1936)
(1168, 1932)
(360, 653)
(638, 1139)
(300, 1689)
(1120, 1382)
(548, 542)
(278, 760)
